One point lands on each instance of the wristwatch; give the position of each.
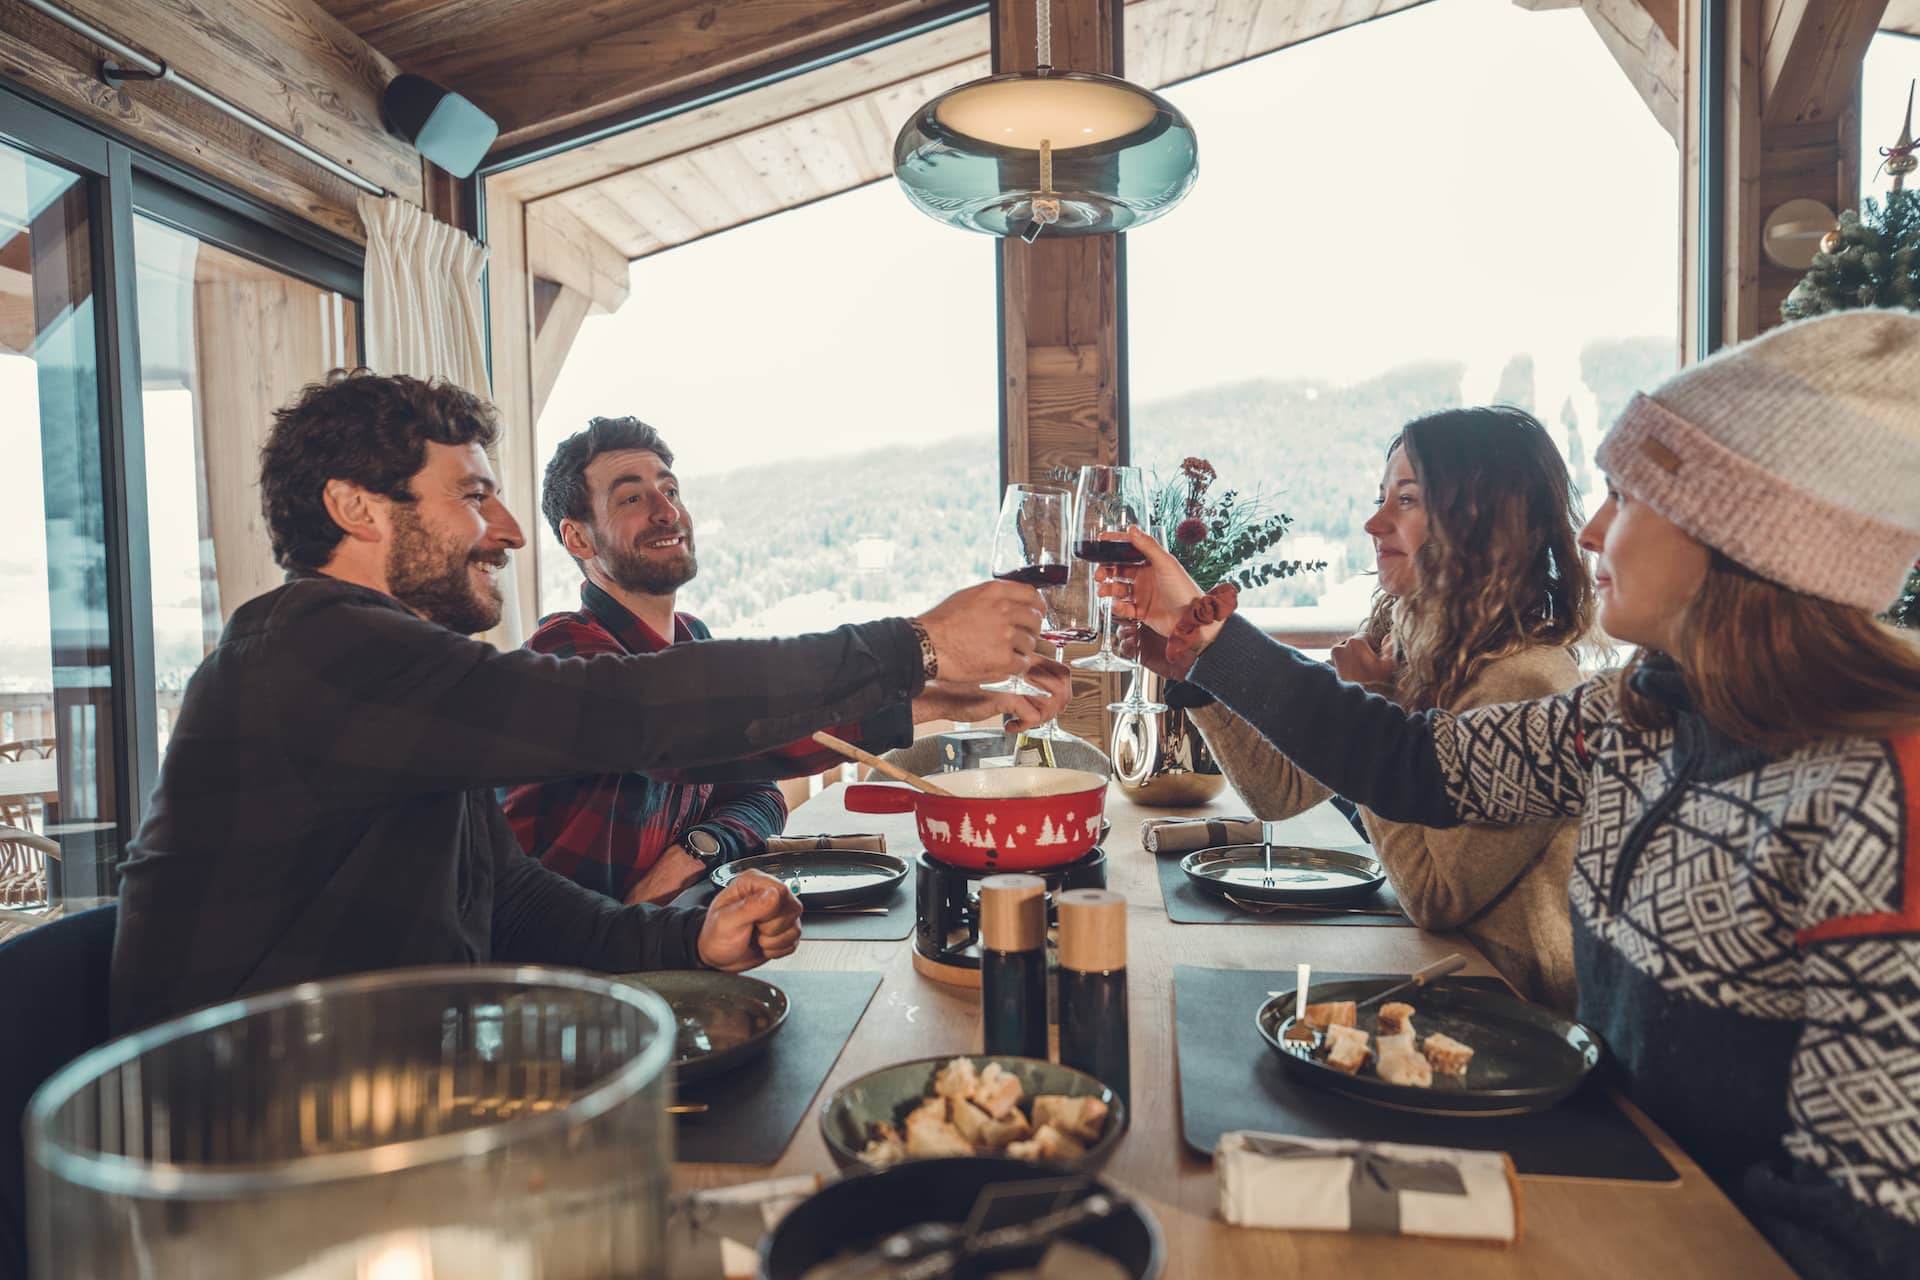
(703, 844)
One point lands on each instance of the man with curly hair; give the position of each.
(325, 806)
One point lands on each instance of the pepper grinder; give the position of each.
(1093, 985)
(1013, 965)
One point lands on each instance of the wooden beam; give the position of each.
(288, 62)
(562, 248)
(1061, 319)
(1811, 56)
(553, 339)
(1642, 36)
(52, 62)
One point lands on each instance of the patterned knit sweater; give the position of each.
(1746, 927)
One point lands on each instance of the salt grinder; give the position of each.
(1013, 965)
(1093, 985)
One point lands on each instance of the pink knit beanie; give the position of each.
(1796, 454)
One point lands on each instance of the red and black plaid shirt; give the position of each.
(605, 831)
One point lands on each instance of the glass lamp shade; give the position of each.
(1120, 155)
(419, 1124)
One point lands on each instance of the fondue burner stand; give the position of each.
(946, 934)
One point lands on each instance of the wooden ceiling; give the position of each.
(538, 66)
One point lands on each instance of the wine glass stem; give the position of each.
(1106, 626)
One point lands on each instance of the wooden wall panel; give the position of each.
(288, 62)
(47, 60)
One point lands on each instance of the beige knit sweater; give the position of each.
(1504, 887)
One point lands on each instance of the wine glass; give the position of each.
(1073, 617)
(1031, 545)
(1111, 500)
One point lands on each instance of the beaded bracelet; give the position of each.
(1216, 605)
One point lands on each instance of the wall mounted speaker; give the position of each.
(443, 126)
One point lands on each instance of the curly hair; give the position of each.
(563, 494)
(367, 428)
(1501, 569)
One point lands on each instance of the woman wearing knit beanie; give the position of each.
(1483, 596)
(1746, 893)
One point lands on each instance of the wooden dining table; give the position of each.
(1574, 1227)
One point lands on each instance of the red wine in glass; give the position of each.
(1069, 635)
(1109, 551)
(1038, 575)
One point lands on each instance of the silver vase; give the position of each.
(1159, 757)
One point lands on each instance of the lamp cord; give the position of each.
(1043, 32)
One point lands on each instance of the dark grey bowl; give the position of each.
(724, 1020)
(860, 1208)
(886, 1096)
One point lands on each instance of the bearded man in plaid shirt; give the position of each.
(615, 505)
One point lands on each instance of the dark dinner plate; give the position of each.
(1525, 1057)
(824, 877)
(722, 1019)
(1322, 877)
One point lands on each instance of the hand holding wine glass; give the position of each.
(1112, 500)
(1153, 589)
(1030, 547)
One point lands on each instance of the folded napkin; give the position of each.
(1184, 835)
(1321, 1184)
(866, 841)
(715, 1234)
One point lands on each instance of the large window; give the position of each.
(56, 714)
(1378, 232)
(827, 380)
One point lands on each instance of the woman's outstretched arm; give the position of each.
(1511, 763)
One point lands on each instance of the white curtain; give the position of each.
(425, 316)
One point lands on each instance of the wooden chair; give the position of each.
(55, 977)
(40, 747)
(23, 867)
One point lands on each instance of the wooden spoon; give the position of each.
(886, 767)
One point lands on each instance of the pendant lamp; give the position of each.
(1070, 153)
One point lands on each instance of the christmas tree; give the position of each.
(1906, 613)
(1873, 260)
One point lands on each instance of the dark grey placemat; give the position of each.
(754, 1110)
(852, 926)
(1188, 905)
(1230, 1078)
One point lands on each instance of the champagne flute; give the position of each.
(1031, 545)
(1112, 500)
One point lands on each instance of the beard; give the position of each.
(635, 568)
(435, 579)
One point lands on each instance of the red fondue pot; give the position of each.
(1019, 819)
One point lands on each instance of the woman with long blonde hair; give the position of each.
(1746, 894)
(1483, 597)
